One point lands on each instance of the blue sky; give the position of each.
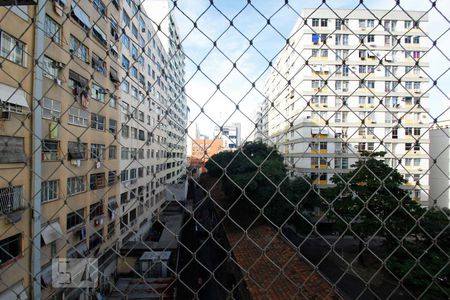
(250, 23)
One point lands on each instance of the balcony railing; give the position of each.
(11, 200)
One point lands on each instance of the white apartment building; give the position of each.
(440, 165)
(230, 134)
(346, 83)
(160, 13)
(146, 125)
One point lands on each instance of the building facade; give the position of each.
(173, 70)
(113, 119)
(203, 150)
(230, 134)
(348, 83)
(440, 164)
(16, 149)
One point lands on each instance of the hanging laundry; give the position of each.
(85, 99)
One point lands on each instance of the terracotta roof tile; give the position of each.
(274, 268)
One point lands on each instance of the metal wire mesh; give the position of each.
(224, 149)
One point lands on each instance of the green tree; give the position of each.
(255, 177)
(369, 200)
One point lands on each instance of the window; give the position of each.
(49, 190)
(134, 92)
(12, 49)
(78, 49)
(134, 133)
(123, 178)
(76, 185)
(97, 151)
(75, 218)
(97, 181)
(125, 18)
(96, 210)
(97, 122)
(51, 109)
(112, 126)
(134, 72)
(416, 146)
(78, 117)
(10, 248)
(345, 39)
(125, 40)
(125, 86)
(50, 150)
(125, 62)
(125, 131)
(416, 131)
(134, 52)
(124, 153)
(315, 22)
(98, 93)
(52, 29)
(370, 23)
(324, 22)
(362, 23)
(112, 176)
(408, 24)
(134, 30)
(98, 64)
(408, 39)
(370, 38)
(51, 68)
(112, 152)
(133, 174)
(113, 101)
(100, 7)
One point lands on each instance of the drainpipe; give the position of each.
(37, 156)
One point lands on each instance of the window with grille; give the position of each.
(97, 181)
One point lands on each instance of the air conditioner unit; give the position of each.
(417, 91)
(363, 29)
(373, 45)
(363, 58)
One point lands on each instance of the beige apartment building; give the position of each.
(112, 135)
(16, 86)
(80, 160)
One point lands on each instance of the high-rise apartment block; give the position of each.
(351, 81)
(112, 136)
(230, 134)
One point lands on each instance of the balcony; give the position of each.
(11, 200)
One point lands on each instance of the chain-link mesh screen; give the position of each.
(201, 149)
